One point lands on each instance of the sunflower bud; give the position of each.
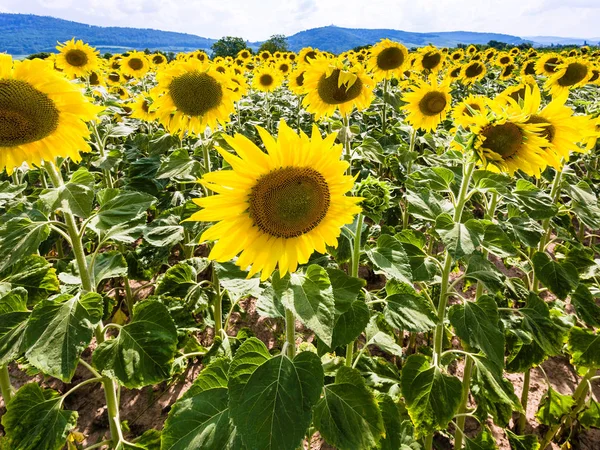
(376, 194)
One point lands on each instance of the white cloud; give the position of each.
(258, 19)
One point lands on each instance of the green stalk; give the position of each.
(411, 148)
(468, 371)
(524, 400)
(354, 273)
(290, 333)
(347, 147)
(5, 387)
(218, 306)
(383, 113)
(87, 286)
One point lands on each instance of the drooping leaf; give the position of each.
(35, 274)
(19, 238)
(164, 232)
(234, 280)
(347, 415)
(119, 207)
(549, 335)
(13, 320)
(536, 203)
(389, 258)
(35, 420)
(432, 398)
(399, 432)
(585, 306)
(480, 269)
(460, 239)
(350, 324)
(553, 407)
(590, 417)
(484, 441)
(497, 242)
(560, 278)
(143, 351)
(345, 289)
(584, 347)
(409, 311)
(59, 329)
(525, 442)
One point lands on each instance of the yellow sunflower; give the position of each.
(238, 86)
(244, 54)
(504, 59)
(428, 104)
(330, 86)
(76, 59)
(548, 63)
(572, 73)
(158, 59)
(454, 72)
(42, 115)
(507, 72)
(472, 71)
(296, 81)
(463, 113)
(190, 96)
(199, 55)
(284, 67)
(471, 50)
(266, 79)
(387, 60)
(457, 55)
(114, 79)
(490, 54)
(516, 92)
(275, 209)
(430, 59)
(265, 55)
(140, 109)
(307, 55)
(135, 65)
(528, 67)
(505, 142)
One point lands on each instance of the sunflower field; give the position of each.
(383, 249)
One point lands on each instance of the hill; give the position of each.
(23, 34)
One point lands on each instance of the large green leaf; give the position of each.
(143, 352)
(460, 239)
(524, 442)
(59, 330)
(110, 264)
(119, 207)
(347, 415)
(432, 398)
(535, 202)
(350, 324)
(35, 274)
(409, 311)
(480, 269)
(200, 419)
(584, 346)
(20, 237)
(271, 401)
(164, 232)
(560, 278)
(345, 289)
(549, 335)
(497, 242)
(484, 441)
(477, 324)
(553, 407)
(399, 432)
(235, 281)
(35, 420)
(13, 320)
(585, 306)
(310, 297)
(390, 259)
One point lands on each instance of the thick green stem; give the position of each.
(466, 387)
(5, 387)
(383, 112)
(347, 146)
(441, 311)
(218, 304)
(290, 333)
(411, 149)
(354, 273)
(524, 400)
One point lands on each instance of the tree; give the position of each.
(497, 45)
(228, 46)
(41, 55)
(276, 43)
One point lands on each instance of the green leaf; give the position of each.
(79, 197)
(399, 432)
(390, 259)
(432, 398)
(476, 323)
(310, 297)
(409, 311)
(590, 417)
(271, 405)
(59, 330)
(347, 415)
(553, 407)
(484, 441)
(19, 238)
(545, 332)
(200, 419)
(525, 442)
(537, 204)
(143, 351)
(425, 204)
(110, 264)
(164, 232)
(584, 203)
(480, 269)
(460, 239)
(350, 324)
(13, 320)
(585, 306)
(35, 274)
(584, 347)
(497, 242)
(119, 207)
(345, 289)
(35, 420)
(560, 278)
(525, 230)
(179, 165)
(234, 280)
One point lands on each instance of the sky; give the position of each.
(258, 19)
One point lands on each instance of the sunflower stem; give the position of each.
(347, 147)
(354, 273)
(290, 333)
(411, 149)
(524, 400)
(87, 286)
(218, 306)
(6, 388)
(383, 112)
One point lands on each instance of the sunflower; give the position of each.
(120, 92)
(514, 51)
(307, 55)
(96, 78)
(42, 115)
(507, 72)
(595, 78)
(457, 55)
(114, 63)
(516, 92)
(387, 59)
(135, 65)
(114, 79)
(244, 54)
(238, 86)
(490, 54)
(572, 73)
(428, 104)
(140, 109)
(190, 96)
(548, 63)
(76, 59)
(330, 86)
(504, 59)
(505, 142)
(200, 56)
(265, 55)
(463, 113)
(266, 79)
(430, 59)
(472, 72)
(296, 81)
(275, 209)
(528, 67)
(158, 59)
(454, 72)
(284, 67)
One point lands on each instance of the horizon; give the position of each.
(547, 18)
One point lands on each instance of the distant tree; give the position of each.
(41, 55)
(276, 43)
(228, 46)
(107, 55)
(497, 45)
(361, 47)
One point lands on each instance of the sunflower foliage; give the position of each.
(366, 250)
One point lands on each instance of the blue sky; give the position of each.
(258, 19)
